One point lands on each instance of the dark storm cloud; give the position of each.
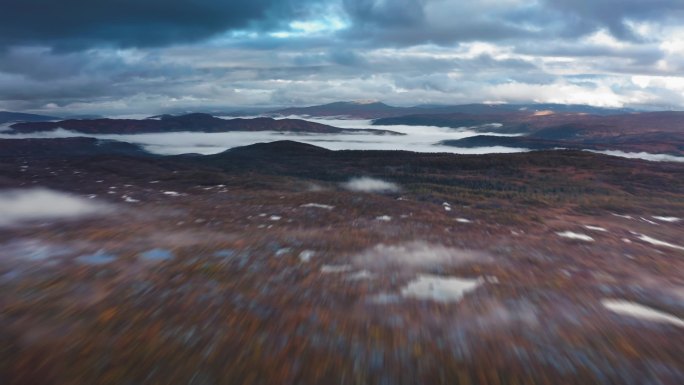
(74, 24)
(404, 13)
(85, 23)
(614, 14)
(409, 22)
(143, 56)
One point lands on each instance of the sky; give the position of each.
(152, 56)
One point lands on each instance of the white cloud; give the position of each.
(417, 254)
(372, 185)
(22, 206)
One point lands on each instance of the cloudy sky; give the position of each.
(147, 56)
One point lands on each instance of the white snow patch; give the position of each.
(463, 220)
(275, 217)
(129, 199)
(317, 206)
(306, 255)
(595, 228)
(171, 193)
(438, 288)
(333, 269)
(361, 275)
(577, 236)
(636, 310)
(383, 218)
(657, 242)
(282, 251)
(648, 221)
(667, 219)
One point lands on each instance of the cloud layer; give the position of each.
(370, 185)
(23, 206)
(138, 57)
(74, 24)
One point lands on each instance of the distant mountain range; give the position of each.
(190, 122)
(9, 117)
(377, 110)
(348, 109)
(352, 109)
(544, 126)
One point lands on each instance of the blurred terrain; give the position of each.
(285, 263)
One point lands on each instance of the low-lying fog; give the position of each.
(416, 138)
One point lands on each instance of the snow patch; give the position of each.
(633, 309)
(648, 221)
(306, 255)
(129, 199)
(438, 288)
(657, 242)
(333, 269)
(317, 206)
(417, 254)
(667, 219)
(595, 228)
(577, 236)
(361, 275)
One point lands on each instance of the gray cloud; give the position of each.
(397, 13)
(151, 56)
(615, 14)
(409, 22)
(72, 24)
